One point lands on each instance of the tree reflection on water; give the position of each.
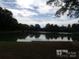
(39, 37)
(51, 37)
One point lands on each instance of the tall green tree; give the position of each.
(8, 22)
(72, 6)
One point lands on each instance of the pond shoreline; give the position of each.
(40, 32)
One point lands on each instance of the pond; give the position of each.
(44, 37)
(29, 37)
(39, 46)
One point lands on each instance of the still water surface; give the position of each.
(44, 38)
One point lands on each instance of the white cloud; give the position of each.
(41, 4)
(24, 3)
(25, 16)
(26, 13)
(44, 9)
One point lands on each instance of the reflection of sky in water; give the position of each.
(43, 38)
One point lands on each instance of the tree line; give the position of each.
(9, 23)
(54, 28)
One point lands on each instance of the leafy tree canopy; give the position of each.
(72, 6)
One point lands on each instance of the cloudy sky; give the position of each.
(35, 12)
